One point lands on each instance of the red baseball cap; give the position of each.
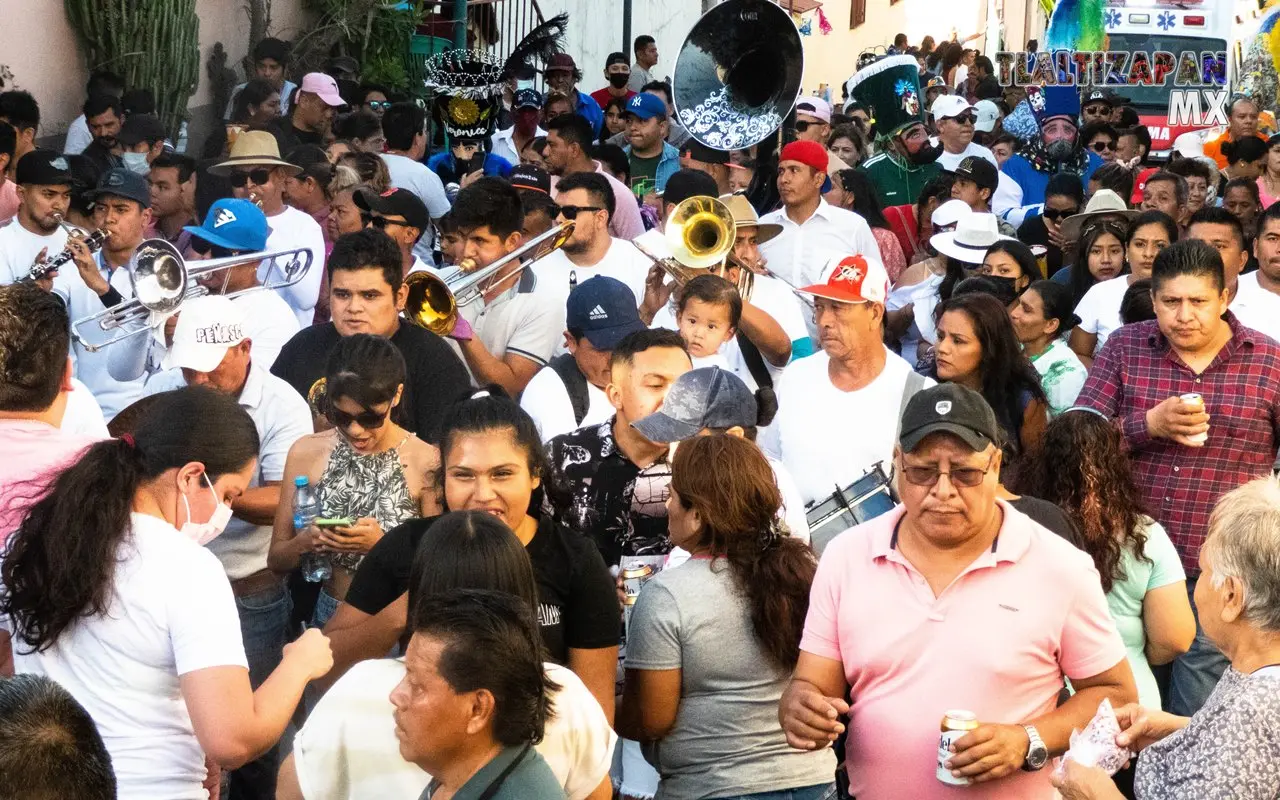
(811, 154)
(853, 279)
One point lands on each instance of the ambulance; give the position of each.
(1150, 26)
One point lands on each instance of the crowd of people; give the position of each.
(450, 479)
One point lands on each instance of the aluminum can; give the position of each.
(955, 724)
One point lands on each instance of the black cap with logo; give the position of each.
(43, 168)
(949, 408)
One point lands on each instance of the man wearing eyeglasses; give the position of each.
(399, 214)
(258, 174)
(952, 600)
(956, 122)
(212, 348)
(587, 199)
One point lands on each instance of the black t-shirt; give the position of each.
(436, 378)
(577, 600)
(289, 137)
(1049, 516)
(1032, 232)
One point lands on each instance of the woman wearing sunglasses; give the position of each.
(1101, 138)
(373, 98)
(367, 470)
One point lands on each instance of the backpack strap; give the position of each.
(755, 362)
(574, 382)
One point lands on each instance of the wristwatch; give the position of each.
(1037, 753)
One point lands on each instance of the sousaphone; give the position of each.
(738, 74)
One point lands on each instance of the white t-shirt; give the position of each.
(418, 178)
(292, 229)
(281, 417)
(19, 248)
(348, 748)
(547, 400)
(1256, 307)
(171, 613)
(828, 438)
(1099, 309)
(621, 261)
(83, 415)
(78, 136)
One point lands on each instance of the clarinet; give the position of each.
(93, 241)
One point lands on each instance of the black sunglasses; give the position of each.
(966, 119)
(571, 212)
(382, 223)
(260, 177)
(369, 420)
(203, 248)
(1098, 147)
(1056, 214)
(803, 125)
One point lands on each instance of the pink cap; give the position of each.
(853, 279)
(323, 86)
(814, 107)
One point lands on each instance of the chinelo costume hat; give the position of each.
(891, 89)
(468, 83)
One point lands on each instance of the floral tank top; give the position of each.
(373, 485)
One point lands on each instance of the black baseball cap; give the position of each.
(121, 182)
(616, 58)
(141, 128)
(980, 171)
(530, 176)
(400, 202)
(603, 309)
(949, 408)
(43, 168)
(1101, 96)
(687, 183)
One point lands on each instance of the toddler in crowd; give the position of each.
(707, 313)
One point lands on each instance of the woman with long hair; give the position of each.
(492, 460)
(348, 748)
(1011, 262)
(1099, 308)
(615, 118)
(848, 144)
(1084, 469)
(1040, 318)
(977, 348)
(1269, 180)
(108, 590)
(253, 108)
(366, 469)
(851, 190)
(1098, 257)
(711, 644)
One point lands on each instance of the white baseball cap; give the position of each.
(988, 113)
(814, 107)
(207, 328)
(949, 105)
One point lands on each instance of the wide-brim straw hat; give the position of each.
(1104, 203)
(254, 149)
(744, 216)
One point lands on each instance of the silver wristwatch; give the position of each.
(1037, 753)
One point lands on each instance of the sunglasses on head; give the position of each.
(1099, 147)
(369, 420)
(203, 248)
(1056, 214)
(966, 119)
(379, 105)
(260, 177)
(571, 212)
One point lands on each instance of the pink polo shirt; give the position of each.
(29, 452)
(997, 642)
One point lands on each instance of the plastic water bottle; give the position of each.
(306, 507)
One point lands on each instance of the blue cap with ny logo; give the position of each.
(233, 224)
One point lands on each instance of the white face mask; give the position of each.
(204, 532)
(136, 162)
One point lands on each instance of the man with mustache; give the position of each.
(906, 160)
(1057, 149)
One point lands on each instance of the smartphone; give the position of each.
(334, 522)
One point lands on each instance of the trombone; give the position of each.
(433, 301)
(700, 233)
(163, 281)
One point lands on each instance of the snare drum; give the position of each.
(865, 499)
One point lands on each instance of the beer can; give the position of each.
(955, 724)
(633, 578)
(1194, 399)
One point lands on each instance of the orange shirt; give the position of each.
(1213, 148)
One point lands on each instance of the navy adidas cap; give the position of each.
(604, 310)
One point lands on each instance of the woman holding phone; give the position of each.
(370, 474)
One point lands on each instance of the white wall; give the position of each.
(595, 31)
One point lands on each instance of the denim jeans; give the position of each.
(326, 607)
(822, 791)
(1196, 672)
(264, 624)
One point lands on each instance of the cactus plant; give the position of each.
(154, 44)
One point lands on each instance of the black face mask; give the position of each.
(618, 79)
(1061, 150)
(1008, 288)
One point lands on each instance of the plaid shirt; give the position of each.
(1137, 369)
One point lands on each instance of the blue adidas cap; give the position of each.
(234, 225)
(604, 309)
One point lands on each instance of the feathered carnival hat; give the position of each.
(468, 83)
(890, 87)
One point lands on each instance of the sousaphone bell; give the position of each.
(738, 74)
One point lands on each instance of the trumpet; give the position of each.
(700, 233)
(92, 239)
(433, 302)
(163, 281)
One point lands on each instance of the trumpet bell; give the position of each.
(700, 232)
(738, 74)
(159, 276)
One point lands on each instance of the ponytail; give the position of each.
(60, 563)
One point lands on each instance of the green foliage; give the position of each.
(373, 31)
(154, 44)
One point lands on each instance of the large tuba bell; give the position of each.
(738, 73)
(433, 302)
(163, 281)
(700, 232)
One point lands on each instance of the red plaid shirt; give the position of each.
(1137, 369)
